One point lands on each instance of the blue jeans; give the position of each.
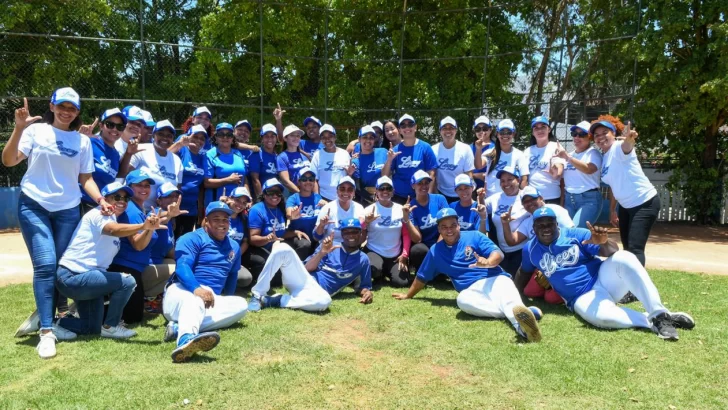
(46, 235)
(584, 207)
(88, 290)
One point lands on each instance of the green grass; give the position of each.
(422, 353)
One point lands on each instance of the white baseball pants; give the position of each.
(304, 292)
(619, 274)
(182, 306)
(491, 297)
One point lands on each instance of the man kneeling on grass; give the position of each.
(208, 262)
(471, 261)
(590, 286)
(331, 268)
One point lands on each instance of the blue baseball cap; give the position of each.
(312, 118)
(137, 176)
(327, 128)
(164, 124)
(111, 112)
(198, 128)
(167, 189)
(405, 118)
(584, 126)
(544, 212)
(224, 126)
(268, 128)
(272, 182)
(133, 113)
(539, 120)
(602, 123)
(66, 94)
(201, 110)
(482, 120)
(506, 125)
(508, 170)
(115, 187)
(350, 223)
(530, 191)
(241, 191)
(419, 176)
(244, 123)
(448, 120)
(148, 119)
(217, 206)
(445, 213)
(304, 170)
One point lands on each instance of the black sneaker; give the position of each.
(663, 326)
(628, 298)
(682, 320)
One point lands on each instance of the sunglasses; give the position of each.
(306, 179)
(276, 194)
(224, 135)
(119, 198)
(505, 133)
(481, 129)
(579, 134)
(346, 189)
(407, 124)
(111, 125)
(385, 188)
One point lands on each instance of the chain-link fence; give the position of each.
(348, 63)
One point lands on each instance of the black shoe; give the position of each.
(682, 320)
(663, 326)
(628, 298)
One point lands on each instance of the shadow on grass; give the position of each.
(439, 301)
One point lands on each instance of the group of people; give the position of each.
(184, 222)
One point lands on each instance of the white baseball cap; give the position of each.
(463, 179)
(162, 125)
(133, 113)
(377, 124)
(530, 191)
(448, 120)
(148, 118)
(66, 94)
(240, 192)
(406, 117)
(198, 128)
(111, 112)
(584, 126)
(167, 189)
(327, 127)
(419, 176)
(201, 110)
(268, 128)
(291, 129)
(482, 120)
(367, 129)
(506, 125)
(344, 180)
(244, 123)
(385, 180)
(271, 183)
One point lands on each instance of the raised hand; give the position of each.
(234, 178)
(351, 168)
(296, 212)
(561, 153)
(480, 262)
(326, 220)
(223, 197)
(327, 245)
(22, 116)
(321, 203)
(173, 209)
(506, 216)
(599, 235)
(480, 207)
(628, 133)
(272, 237)
(407, 208)
(133, 146)
(391, 155)
(153, 222)
(278, 112)
(372, 216)
(302, 235)
(614, 219)
(88, 130)
(106, 208)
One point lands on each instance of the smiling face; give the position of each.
(351, 239)
(367, 142)
(238, 204)
(312, 130)
(163, 139)
(449, 228)
(202, 119)
(483, 131)
(306, 182)
(465, 193)
(385, 193)
(64, 114)
(581, 141)
(217, 225)
(546, 230)
(272, 196)
(224, 139)
(422, 188)
(141, 190)
(541, 133)
(603, 137)
(293, 140)
(448, 133)
(509, 184)
(531, 204)
(242, 134)
(391, 132)
(345, 192)
(268, 141)
(168, 200)
(505, 137)
(111, 134)
(329, 140)
(120, 205)
(197, 141)
(408, 129)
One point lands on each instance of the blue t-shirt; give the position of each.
(479, 183)
(468, 219)
(454, 261)
(338, 269)
(237, 229)
(292, 162)
(213, 263)
(369, 167)
(425, 217)
(161, 247)
(310, 146)
(309, 212)
(128, 256)
(419, 156)
(106, 165)
(219, 165)
(265, 165)
(570, 267)
(193, 175)
(267, 220)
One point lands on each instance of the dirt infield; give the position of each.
(672, 246)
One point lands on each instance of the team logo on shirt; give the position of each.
(117, 243)
(428, 221)
(444, 164)
(468, 252)
(235, 235)
(271, 168)
(535, 163)
(194, 169)
(276, 225)
(374, 167)
(331, 167)
(231, 256)
(388, 221)
(104, 165)
(408, 162)
(549, 263)
(300, 163)
(61, 150)
(167, 175)
(309, 211)
(570, 167)
(502, 209)
(464, 225)
(344, 275)
(501, 165)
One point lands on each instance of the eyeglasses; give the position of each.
(111, 125)
(579, 134)
(118, 198)
(346, 189)
(505, 133)
(224, 135)
(274, 194)
(407, 124)
(306, 179)
(385, 188)
(481, 129)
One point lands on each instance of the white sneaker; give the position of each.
(117, 332)
(47, 346)
(62, 333)
(31, 325)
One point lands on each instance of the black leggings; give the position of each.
(184, 224)
(134, 309)
(635, 225)
(511, 262)
(555, 201)
(417, 255)
(389, 267)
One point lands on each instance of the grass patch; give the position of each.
(423, 353)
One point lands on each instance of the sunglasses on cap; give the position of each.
(224, 135)
(579, 134)
(307, 179)
(111, 125)
(385, 188)
(121, 198)
(407, 124)
(481, 129)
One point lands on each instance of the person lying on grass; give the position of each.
(567, 257)
(471, 261)
(325, 273)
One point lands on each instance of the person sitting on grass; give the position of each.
(471, 261)
(325, 273)
(208, 261)
(591, 287)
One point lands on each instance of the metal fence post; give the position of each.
(260, 15)
(401, 56)
(144, 53)
(485, 62)
(326, 63)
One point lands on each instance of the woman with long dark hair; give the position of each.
(225, 168)
(505, 154)
(290, 161)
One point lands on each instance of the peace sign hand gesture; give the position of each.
(599, 235)
(628, 134)
(22, 116)
(506, 216)
(327, 246)
(88, 130)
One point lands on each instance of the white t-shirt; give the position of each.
(55, 160)
(515, 159)
(540, 161)
(90, 248)
(624, 175)
(336, 213)
(562, 219)
(329, 167)
(577, 182)
(384, 235)
(120, 146)
(452, 162)
(498, 204)
(160, 169)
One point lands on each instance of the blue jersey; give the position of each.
(161, 247)
(267, 220)
(291, 162)
(237, 229)
(425, 217)
(193, 175)
(369, 167)
(310, 146)
(128, 256)
(219, 165)
(454, 261)
(570, 267)
(265, 165)
(106, 165)
(338, 269)
(419, 156)
(309, 212)
(479, 183)
(212, 263)
(468, 219)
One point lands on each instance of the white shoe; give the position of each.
(62, 333)
(117, 332)
(47, 346)
(31, 325)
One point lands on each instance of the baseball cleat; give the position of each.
(528, 323)
(30, 325)
(190, 344)
(682, 320)
(664, 328)
(536, 312)
(170, 331)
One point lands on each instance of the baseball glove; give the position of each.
(542, 280)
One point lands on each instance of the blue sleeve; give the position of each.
(428, 269)
(292, 201)
(485, 245)
(255, 219)
(355, 161)
(254, 162)
(232, 280)
(209, 167)
(429, 158)
(365, 273)
(526, 265)
(316, 236)
(185, 254)
(396, 159)
(282, 163)
(442, 202)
